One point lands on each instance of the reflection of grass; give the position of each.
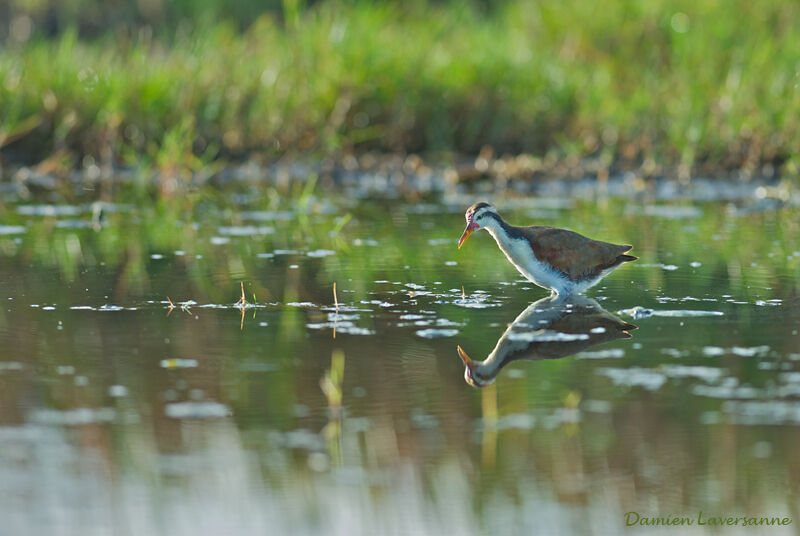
(728, 246)
(331, 385)
(652, 83)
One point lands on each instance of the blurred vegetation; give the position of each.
(670, 85)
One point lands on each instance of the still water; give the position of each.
(137, 397)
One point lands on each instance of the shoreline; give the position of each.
(398, 176)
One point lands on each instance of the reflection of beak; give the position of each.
(468, 231)
(469, 363)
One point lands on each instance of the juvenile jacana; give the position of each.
(562, 261)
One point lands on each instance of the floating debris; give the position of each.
(49, 210)
(790, 377)
(434, 333)
(708, 374)
(516, 421)
(613, 353)
(710, 417)
(185, 305)
(341, 324)
(302, 439)
(635, 376)
(643, 312)
(347, 309)
(73, 417)
(109, 307)
(667, 267)
(104, 308)
(12, 229)
(219, 240)
(321, 253)
(424, 421)
(266, 215)
(597, 406)
(176, 363)
(477, 300)
(715, 351)
(546, 336)
(444, 322)
(414, 286)
(758, 413)
(526, 421)
(365, 242)
(196, 410)
(236, 306)
(378, 303)
(117, 391)
(300, 304)
(750, 351)
(245, 230)
(674, 352)
(354, 330)
(727, 391)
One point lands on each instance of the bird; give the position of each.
(562, 261)
(550, 328)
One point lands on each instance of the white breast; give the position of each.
(520, 254)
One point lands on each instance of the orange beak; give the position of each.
(468, 231)
(469, 363)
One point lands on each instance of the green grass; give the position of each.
(697, 87)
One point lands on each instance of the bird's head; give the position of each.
(472, 373)
(477, 216)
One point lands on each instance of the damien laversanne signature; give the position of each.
(634, 518)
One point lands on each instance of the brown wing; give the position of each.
(573, 254)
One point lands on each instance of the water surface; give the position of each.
(139, 398)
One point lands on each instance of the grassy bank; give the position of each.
(697, 87)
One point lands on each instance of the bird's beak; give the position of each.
(469, 363)
(471, 226)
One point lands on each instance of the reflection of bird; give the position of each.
(550, 328)
(99, 219)
(556, 259)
